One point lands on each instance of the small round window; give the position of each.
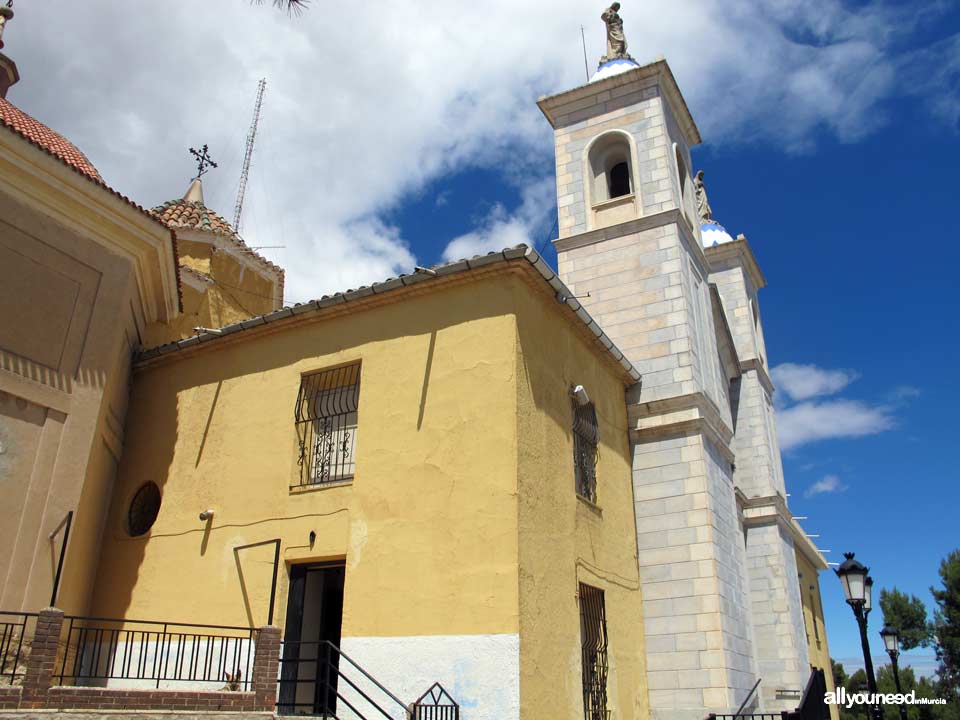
(143, 509)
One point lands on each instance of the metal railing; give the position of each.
(586, 437)
(812, 705)
(97, 650)
(317, 678)
(16, 636)
(593, 647)
(436, 704)
(326, 422)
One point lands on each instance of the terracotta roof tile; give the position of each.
(39, 134)
(194, 215)
(187, 215)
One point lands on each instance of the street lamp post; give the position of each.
(858, 588)
(891, 639)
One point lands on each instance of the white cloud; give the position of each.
(802, 382)
(367, 105)
(808, 421)
(501, 229)
(827, 484)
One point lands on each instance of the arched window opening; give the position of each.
(618, 179)
(610, 167)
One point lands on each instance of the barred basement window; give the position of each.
(585, 439)
(593, 645)
(326, 417)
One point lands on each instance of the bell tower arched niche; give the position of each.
(611, 187)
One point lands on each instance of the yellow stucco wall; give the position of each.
(234, 290)
(428, 528)
(813, 622)
(75, 295)
(565, 540)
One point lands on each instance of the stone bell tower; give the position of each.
(630, 247)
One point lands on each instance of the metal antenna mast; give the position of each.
(247, 155)
(583, 40)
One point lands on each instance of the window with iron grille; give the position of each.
(326, 418)
(593, 645)
(585, 438)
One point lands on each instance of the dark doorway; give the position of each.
(308, 678)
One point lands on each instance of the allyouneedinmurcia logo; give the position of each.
(848, 700)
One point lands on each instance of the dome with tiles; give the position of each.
(189, 213)
(614, 67)
(713, 233)
(49, 140)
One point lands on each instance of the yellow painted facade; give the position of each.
(222, 284)
(813, 622)
(82, 273)
(565, 540)
(461, 520)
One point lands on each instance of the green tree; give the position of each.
(947, 627)
(856, 683)
(908, 615)
(839, 674)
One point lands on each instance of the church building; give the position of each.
(531, 492)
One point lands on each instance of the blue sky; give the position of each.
(399, 135)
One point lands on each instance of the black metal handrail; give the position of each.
(15, 639)
(322, 671)
(96, 650)
(812, 705)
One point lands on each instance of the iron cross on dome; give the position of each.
(204, 161)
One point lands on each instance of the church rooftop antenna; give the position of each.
(248, 155)
(586, 66)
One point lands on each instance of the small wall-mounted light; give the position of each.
(313, 537)
(579, 393)
(206, 515)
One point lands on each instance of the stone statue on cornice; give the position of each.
(616, 41)
(6, 12)
(703, 205)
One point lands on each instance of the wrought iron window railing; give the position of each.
(326, 419)
(16, 639)
(586, 436)
(593, 645)
(97, 650)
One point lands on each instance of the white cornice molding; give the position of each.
(708, 420)
(754, 365)
(761, 511)
(657, 72)
(736, 253)
(46, 184)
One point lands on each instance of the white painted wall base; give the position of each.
(481, 672)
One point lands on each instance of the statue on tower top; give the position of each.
(703, 205)
(6, 13)
(616, 42)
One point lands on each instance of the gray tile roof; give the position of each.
(519, 252)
